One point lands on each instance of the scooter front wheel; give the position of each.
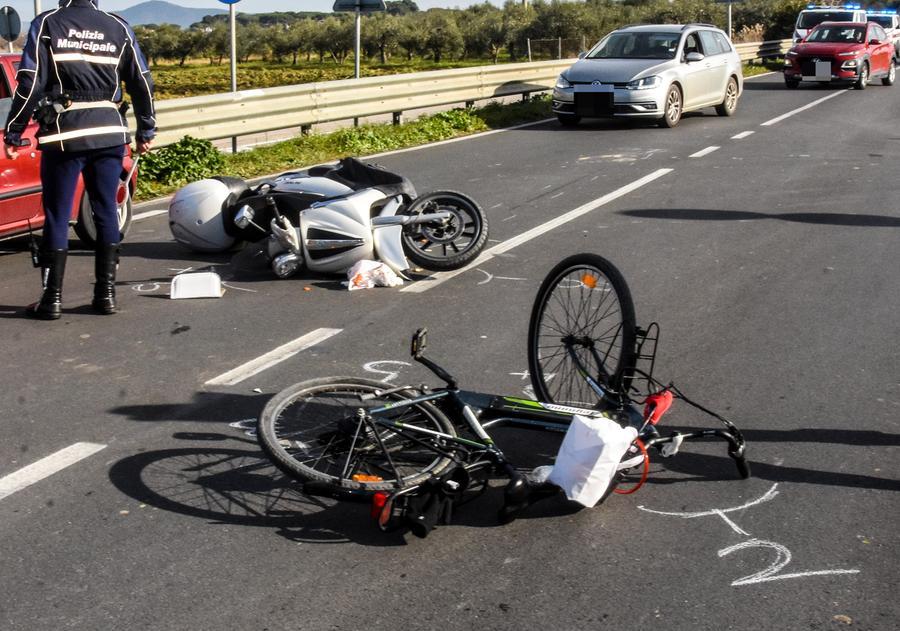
(450, 243)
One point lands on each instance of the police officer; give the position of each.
(72, 67)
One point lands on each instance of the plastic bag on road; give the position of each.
(367, 274)
(589, 456)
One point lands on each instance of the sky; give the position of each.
(25, 8)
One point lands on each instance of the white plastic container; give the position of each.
(196, 285)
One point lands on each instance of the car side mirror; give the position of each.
(874, 42)
(582, 54)
(693, 57)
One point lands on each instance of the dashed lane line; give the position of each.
(440, 277)
(778, 119)
(45, 467)
(743, 134)
(704, 152)
(276, 356)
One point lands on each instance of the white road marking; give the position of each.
(528, 235)
(278, 355)
(704, 152)
(148, 214)
(458, 139)
(743, 134)
(778, 119)
(45, 467)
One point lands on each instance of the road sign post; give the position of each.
(231, 31)
(729, 3)
(10, 25)
(359, 7)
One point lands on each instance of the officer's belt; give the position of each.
(86, 105)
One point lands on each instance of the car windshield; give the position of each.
(883, 20)
(814, 18)
(636, 45)
(838, 34)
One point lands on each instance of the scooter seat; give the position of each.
(359, 175)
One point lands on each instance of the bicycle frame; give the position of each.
(422, 504)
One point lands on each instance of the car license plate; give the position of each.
(594, 104)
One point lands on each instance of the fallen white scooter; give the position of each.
(329, 218)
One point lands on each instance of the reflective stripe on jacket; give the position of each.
(80, 55)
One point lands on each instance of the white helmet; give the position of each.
(195, 216)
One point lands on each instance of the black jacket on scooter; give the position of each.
(73, 64)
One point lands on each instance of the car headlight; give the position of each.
(644, 84)
(850, 64)
(562, 82)
(791, 53)
(852, 53)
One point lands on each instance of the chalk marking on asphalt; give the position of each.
(704, 152)
(45, 467)
(720, 512)
(276, 356)
(783, 558)
(743, 134)
(440, 277)
(390, 375)
(778, 119)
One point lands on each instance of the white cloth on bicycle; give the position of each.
(589, 456)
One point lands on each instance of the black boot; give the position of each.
(106, 259)
(53, 268)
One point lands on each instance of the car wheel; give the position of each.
(673, 105)
(863, 79)
(729, 104)
(85, 227)
(791, 84)
(892, 74)
(568, 120)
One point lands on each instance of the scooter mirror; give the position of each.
(244, 217)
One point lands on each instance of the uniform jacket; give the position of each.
(80, 56)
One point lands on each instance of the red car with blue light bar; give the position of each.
(848, 52)
(20, 180)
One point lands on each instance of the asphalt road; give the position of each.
(772, 264)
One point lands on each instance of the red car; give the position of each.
(852, 52)
(20, 179)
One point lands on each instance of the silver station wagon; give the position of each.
(656, 71)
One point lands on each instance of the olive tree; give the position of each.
(381, 33)
(443, 37)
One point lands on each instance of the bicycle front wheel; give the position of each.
(313, 431)
(582, 324)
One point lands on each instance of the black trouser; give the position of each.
(100, 170)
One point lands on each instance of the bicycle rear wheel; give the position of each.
(312, 431)
(582, 323)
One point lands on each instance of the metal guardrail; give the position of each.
(253, 111)
(763, 50)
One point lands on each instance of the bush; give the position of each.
(187, 160)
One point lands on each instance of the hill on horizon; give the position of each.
(160, 12)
